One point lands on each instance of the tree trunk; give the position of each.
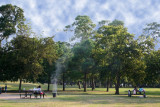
(79, 84)
(90, 82)
(63, 83)
(117, 84)
(111, 84)
(48, 82)
(124, 84)
(48, 85)
(20, 84)
(100, 84)
(108, 85)
(93, 85)
(85, 82)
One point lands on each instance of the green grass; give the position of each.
(76, 97)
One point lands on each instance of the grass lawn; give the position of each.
(76, 97)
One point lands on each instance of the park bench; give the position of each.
(29, 93)
(130, 93)
(26, 94)
(36, 94)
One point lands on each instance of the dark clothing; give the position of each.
(6, 88)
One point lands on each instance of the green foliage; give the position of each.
(83, 55)
(28, 57)
(82, 27)
(118, 54)
(153, 68)
(152, 30)
(10, 17)
(107, 52)
(116, 23)
(50, 55)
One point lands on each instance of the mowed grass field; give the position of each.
(74, 97)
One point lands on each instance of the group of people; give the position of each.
(140, 90)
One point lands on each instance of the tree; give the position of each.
(28, 58)
(116, 23)
(61, 63)
(152, 30)
(82, 27)
(153, 68)
(82, 55)
(115, 46)
(30, 52)
(49, 58)
(102, 59)
(6, 62)
(10, 17)
(148, 40)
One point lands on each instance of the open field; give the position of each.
(74, 97)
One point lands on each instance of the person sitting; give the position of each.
(39, 90)
(39, 87)
(141, 90)
(135, 90)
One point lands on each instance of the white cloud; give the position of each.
(52, 15)
(80, 4)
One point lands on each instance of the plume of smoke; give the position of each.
(60, 67)
(55, 77)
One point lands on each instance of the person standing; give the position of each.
(5, 88)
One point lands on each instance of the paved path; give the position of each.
(12, 96)
(9, 96)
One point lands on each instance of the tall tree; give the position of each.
(28, 58)
(64, 54)
(10, 17)
(82, 27)
(49, 58)
(115, 47)
(82, 52)
(153, 68)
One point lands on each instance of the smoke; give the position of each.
(61, 66)
(56, 76)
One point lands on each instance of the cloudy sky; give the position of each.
(50, 16)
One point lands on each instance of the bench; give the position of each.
(29, 93)
(140, 93)
(36, 94)
(25, 95)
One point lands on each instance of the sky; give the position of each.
(49, 17)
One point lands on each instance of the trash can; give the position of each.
(54, 94)
(0, 90)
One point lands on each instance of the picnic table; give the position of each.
(36, 92)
